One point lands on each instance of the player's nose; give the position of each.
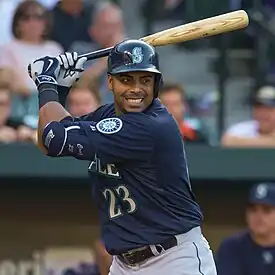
(137, 84)
(136, 90)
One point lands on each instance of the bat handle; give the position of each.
(96, 54)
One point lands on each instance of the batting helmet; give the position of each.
(135, 56)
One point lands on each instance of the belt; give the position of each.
(139, 255)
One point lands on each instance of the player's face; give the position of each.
(265, 115)
(261, 219)
(133, 91)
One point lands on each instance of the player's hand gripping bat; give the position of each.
(195, 30)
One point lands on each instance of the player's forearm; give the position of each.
(261, 141)
(52, 111)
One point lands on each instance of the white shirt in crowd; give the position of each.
(17, 55)
(245, 129)
(7, 8)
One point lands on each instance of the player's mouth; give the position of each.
(134, 101)
(134, 104)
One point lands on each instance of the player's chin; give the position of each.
(134, 109)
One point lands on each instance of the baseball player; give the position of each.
(252, 251)
(150, 220)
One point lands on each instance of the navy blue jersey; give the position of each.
(138, 173)
(240, 255)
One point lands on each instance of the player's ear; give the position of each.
(110, 82)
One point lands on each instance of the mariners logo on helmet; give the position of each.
(109, 125)
(137, 55)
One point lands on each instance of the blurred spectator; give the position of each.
(30, 27)
(174, 98)
(11, 130)
(83, 99)
(106, 30)
(7, 128)
(7, 8)
(252, 252)
(71, 19)
(103, 258)
(259, 132)
(163, 9)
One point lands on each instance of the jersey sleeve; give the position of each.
(113, 140)
(228, 259)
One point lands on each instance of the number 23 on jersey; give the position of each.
(119, 201)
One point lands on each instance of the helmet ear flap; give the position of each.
(158, 84)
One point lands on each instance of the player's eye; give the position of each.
(125, 80)
(146, 80)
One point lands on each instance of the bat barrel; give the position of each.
(96, 54)
(203, 28)
(195, 30)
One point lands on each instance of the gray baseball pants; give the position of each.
(192, 256)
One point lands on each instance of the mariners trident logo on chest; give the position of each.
(108, 170)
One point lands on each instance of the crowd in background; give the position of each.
(36, 28)
(31, 29)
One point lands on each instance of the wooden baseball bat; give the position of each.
(195, 30)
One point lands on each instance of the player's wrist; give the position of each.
(47, 86)
(47, 92)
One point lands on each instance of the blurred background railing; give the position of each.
(220, 90)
